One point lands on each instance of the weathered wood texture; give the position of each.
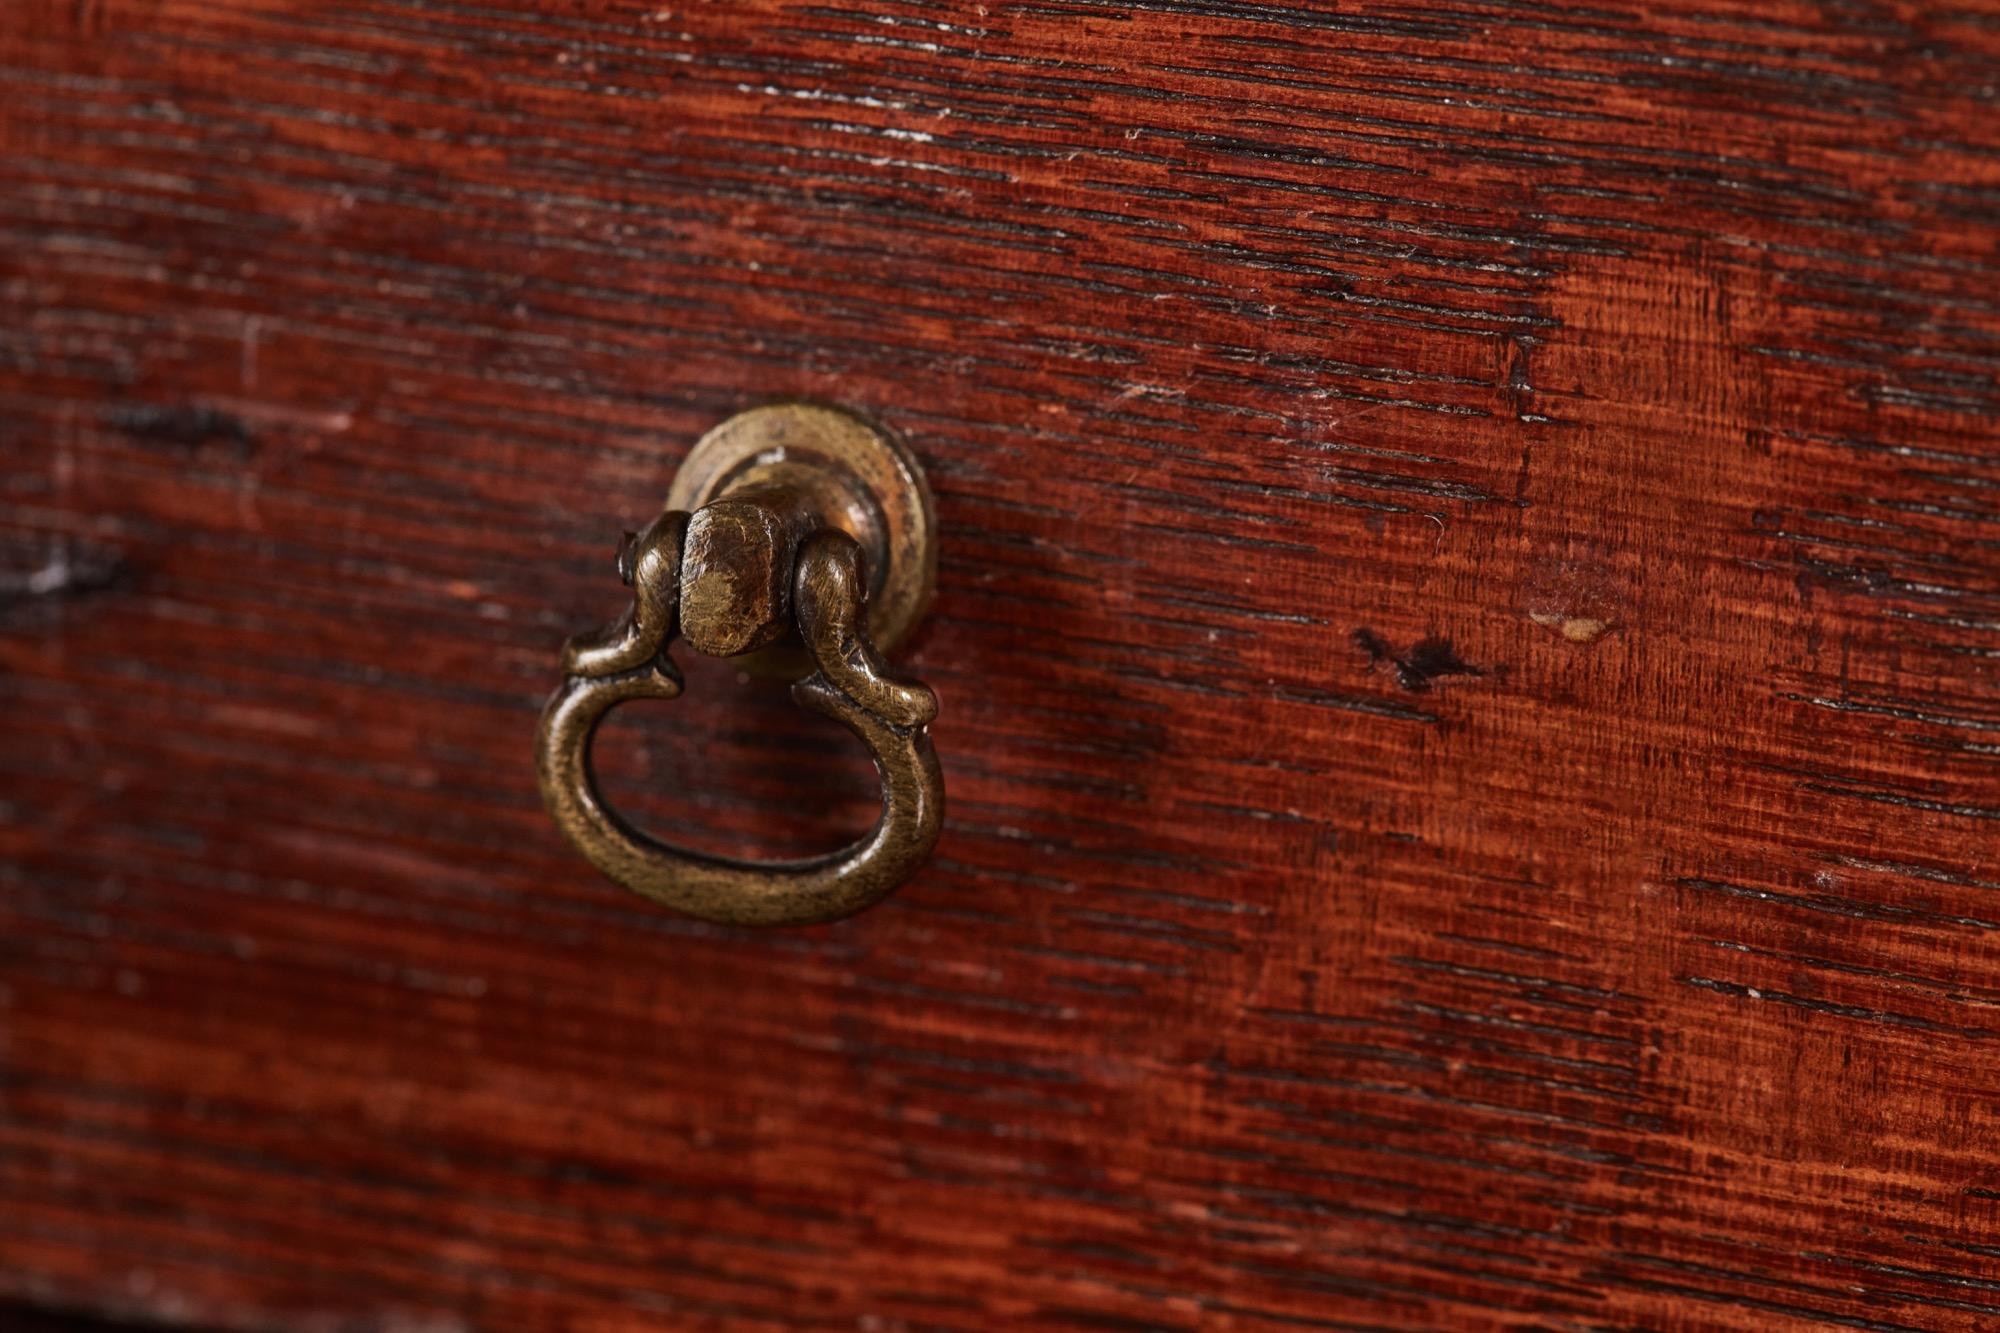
(1469, 634)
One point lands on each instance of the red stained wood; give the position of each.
(1468, 635)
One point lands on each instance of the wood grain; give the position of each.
(1469, 639)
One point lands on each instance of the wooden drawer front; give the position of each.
(1468, 632)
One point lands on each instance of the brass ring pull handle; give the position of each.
(774, 565)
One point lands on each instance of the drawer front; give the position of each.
(1468, 633)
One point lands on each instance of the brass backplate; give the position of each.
(862, 480)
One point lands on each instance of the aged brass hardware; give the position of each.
(795, 539)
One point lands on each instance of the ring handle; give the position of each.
(823, 579)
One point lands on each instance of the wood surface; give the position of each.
(1468, 632)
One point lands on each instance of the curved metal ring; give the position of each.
(850, 683)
